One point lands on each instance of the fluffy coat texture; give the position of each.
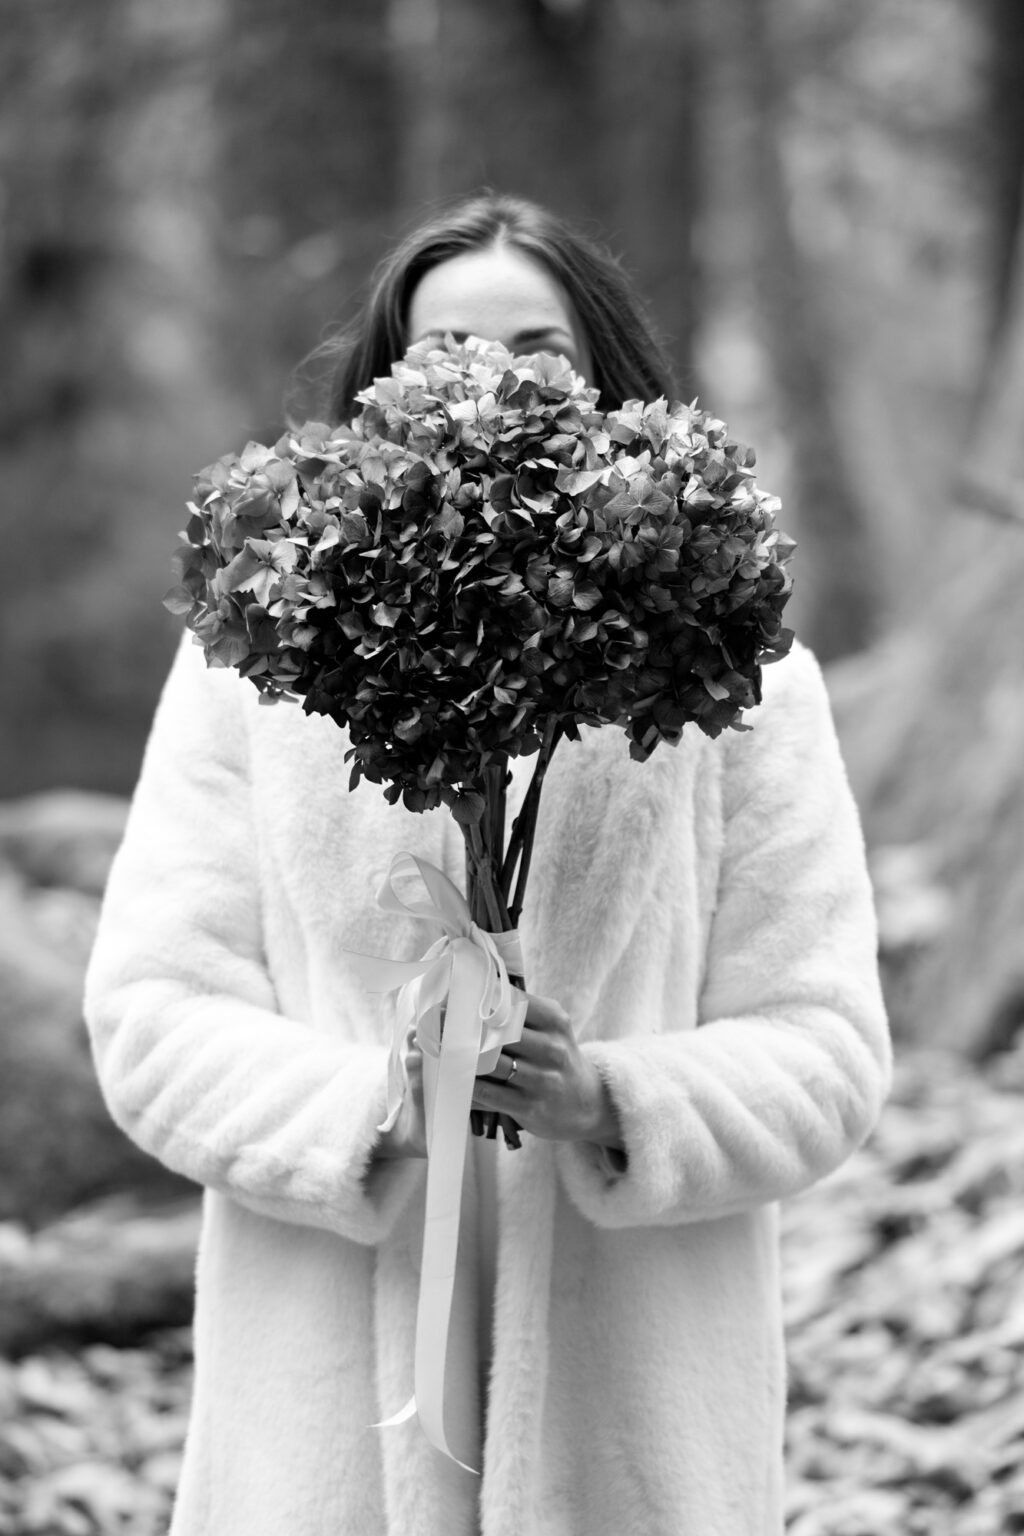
(638, 1381)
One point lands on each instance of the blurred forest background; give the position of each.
(823, 205)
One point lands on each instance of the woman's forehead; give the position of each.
(499, 292)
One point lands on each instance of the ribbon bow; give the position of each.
(463, 979)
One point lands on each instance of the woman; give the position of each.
(632, 1376)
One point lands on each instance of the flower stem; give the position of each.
(487, 903)
(481, 869)
(526, 824)
(490, 869)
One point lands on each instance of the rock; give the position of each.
(63, 838)
(58, 1144)
(112, 1271)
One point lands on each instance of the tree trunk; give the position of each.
(838, 568)
(1004, 147)
(932, 726)
(61, 364)
(653, 150)
(422, 85)
(513, 103)
(106, 394)
(304, 184)
(992, 474)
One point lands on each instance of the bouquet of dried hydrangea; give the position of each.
(477, 565)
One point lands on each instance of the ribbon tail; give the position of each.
(398, 1082)
(448, 1137)
(431, 1066)
(401, 1417)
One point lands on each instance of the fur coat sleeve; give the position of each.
(196, 1063)
(791, 1064)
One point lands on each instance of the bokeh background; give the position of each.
(823, 207)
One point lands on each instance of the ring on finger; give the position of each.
(513, 1069)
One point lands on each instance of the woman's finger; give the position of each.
(539, 1047)
(505, 1068)
(532, 1081)
(498, 1096)
(544, 1013)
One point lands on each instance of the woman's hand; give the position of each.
(408, 1136)
(557, 1092)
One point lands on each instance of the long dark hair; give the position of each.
(628, 362)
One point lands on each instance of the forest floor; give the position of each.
(904, 1318)
(905, 1315)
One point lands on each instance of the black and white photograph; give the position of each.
(511, 790)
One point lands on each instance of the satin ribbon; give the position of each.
(463, 977)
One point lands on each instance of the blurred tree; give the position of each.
(309, 124)
(103, 286)
(932, 724)
(1005, 141)
(991, 477)
(59, 200)
(838, 583)
(651, 92)
(58, 94)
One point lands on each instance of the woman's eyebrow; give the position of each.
(538, 333)
(521, 338)
(441, 334)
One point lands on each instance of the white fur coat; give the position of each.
(638, 1383)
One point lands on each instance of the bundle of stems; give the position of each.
(496, 876)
